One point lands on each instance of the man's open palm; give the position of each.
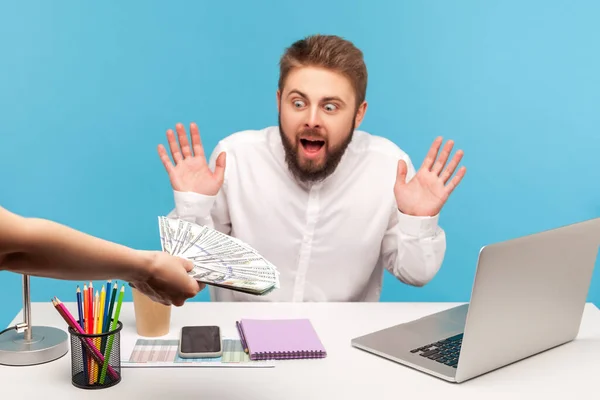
(426, 193)
(191, 172)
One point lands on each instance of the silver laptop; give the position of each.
(528, 296)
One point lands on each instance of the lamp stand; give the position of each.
(31, 345)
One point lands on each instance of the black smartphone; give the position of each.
(200, 342)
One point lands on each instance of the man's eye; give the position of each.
(330, 107)
(298, 103)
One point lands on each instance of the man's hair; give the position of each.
(330, 52)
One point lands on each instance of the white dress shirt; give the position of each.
(329, 240)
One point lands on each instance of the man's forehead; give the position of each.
(318, 83)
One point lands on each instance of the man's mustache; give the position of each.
(312, 133)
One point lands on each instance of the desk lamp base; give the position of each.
(46, 344)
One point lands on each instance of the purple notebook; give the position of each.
(281, 339)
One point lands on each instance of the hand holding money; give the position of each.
(167, 280)
(219, 259)
(191, 173)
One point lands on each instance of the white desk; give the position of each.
(347, 373)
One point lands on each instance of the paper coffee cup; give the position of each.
(151, 318)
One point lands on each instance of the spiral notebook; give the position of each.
(281, 339)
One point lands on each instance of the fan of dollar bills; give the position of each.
(219, 259)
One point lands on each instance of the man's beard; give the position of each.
(311, 171)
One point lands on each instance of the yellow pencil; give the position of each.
(100, 328)
(101, 310)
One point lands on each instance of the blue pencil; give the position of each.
(81, 323)
(106, 322)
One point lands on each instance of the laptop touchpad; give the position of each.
(435, 327)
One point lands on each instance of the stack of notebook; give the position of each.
(280, 339)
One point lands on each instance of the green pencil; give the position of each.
(112, 337)
(108, 317)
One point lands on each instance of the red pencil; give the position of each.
(64, 312)
(90, 307)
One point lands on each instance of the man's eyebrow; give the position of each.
(334, 98)
(296, 91)
(328, 98)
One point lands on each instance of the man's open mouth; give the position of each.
(312, 146)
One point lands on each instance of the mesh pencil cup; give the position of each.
(88, 355)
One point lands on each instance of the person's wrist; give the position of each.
(144, 262)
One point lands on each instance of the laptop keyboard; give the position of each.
(444, 351)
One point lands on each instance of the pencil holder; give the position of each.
(96, 358)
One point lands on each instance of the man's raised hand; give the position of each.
(191, 172)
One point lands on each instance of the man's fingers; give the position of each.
(456, 180)
(174, 147)
(432, 154)
(164, 158)
(452, 166)
(183, 141)
(220, 167)
(444, 155)
(401, 172)
(197, 141)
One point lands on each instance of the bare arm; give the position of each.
(39, 247)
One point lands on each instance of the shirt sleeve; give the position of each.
(413, 247)
(212, 211)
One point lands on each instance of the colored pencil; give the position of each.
(85, 307)
(101, 310)
(90, 330)
(101, 317)
(113, 297)
(107, 312)
(114, 325)
(82, 324)
(96, 330)
(80, 307)
(64, 312)
(86, 325)
(105, 304)
(107, 293)
(90, 294)
(96, 312)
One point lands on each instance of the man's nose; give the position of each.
(314, 119)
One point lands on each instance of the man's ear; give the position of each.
(360, 114)
(278, 100)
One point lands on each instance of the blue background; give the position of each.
(88, 90)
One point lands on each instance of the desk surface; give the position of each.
(347, 373)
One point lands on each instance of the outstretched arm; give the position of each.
(43, 248)
(414, 246)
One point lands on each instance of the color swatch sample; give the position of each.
(163, 353)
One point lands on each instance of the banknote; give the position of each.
(219, 259)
